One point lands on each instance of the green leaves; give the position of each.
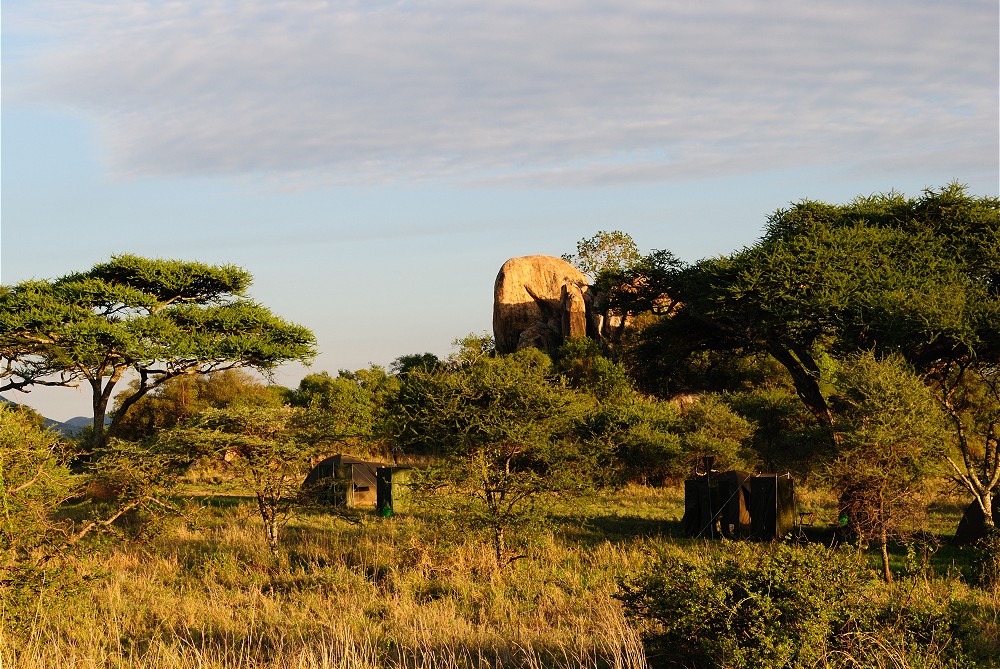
(751, 605)
(33, 483)
(258, 434)
(169, 281)
(891, 436)
(262, 445)
(500, 401)
(158, 318)
(918, 277)
(503, 431)
(889, 273)
(87, 321)
(613, 251)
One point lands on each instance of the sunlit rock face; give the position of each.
(540, 301)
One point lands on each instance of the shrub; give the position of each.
(34, 482)
(985, 561)
(750, 606)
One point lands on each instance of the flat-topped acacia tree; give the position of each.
(157, 319)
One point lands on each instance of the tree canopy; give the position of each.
(263, 448)
(918, 276)
(181, 398)
(500, 428)
(913, 277)
(157, 319)
(892, 432)
(613, 251)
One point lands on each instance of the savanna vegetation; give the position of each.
(854, 346)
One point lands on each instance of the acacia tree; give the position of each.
(262, 446)
(157, 319)
(915, 276)
(500, 426)
(891, 432)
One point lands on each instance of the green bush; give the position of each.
(34, 483)
(985, 561)
(750, 606)
(781, 605)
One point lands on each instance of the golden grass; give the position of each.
(399, 593)
(408, 592)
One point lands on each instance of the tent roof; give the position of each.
(362, 471)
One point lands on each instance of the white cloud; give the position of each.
(527, 91)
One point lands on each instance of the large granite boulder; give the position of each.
(540, 301)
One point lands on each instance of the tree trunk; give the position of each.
(269, 516)
(884, 540)
(272, 537)
(498, 545)
(986, 500)
(982, 488)
(805, 379)
(126, 403)
(101, 399)
(99, 437)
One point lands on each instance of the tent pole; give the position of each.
(709, 461)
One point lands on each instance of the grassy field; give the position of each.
(362, 591)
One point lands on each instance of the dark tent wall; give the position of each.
(773, 508)
(736, 493)
(698, 508)
(972, 527)
(343, 480)
(719, 505)
(737, 505)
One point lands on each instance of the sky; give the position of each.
(373, 163)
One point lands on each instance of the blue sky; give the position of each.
(374, 163)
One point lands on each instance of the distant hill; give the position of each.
(73, 426)
(68, 428)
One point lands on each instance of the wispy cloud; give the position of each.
(525, 91)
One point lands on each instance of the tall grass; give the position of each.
(373, 593)
(409, 592)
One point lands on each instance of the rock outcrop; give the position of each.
(541, 301)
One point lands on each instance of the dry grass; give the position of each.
(408, 592)
(399, 593)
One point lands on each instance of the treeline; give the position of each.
(882, 317)
(856, 346)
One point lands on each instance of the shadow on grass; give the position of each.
(221, 502)
(615, 528)
(925, 552)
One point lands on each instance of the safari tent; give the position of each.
(772, 512)
(972, 527)
(737, 505)
(717, 504)
(343, 480)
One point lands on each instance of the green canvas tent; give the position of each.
(343, 480)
